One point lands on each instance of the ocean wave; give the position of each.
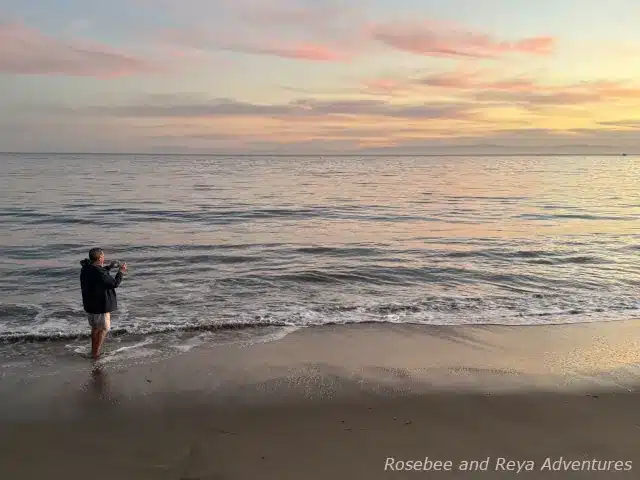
(539, 309)
(570, 216)
(36, 337)
(340, 251)
(231, 216)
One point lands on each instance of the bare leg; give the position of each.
(94, 343)
(97, 339)
(101, 336)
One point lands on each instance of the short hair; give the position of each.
(94, 254)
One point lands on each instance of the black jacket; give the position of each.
(98, 288)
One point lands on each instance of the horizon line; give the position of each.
(266, 154)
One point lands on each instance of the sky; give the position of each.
(320, 76)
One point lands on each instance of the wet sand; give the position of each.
(341, 402)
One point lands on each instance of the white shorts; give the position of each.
(100, 321)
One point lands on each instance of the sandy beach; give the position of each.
(341, 402)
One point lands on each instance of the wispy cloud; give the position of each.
(521, 141)
(486, 87)
(332, 31)
(289, 49)
(26, 51)
(443, 40)
(627, 124)
(302, 51)
(530, 92)
(297, 108)
(457, 83)
(415, 141)
(477, 80)
(560, 97)
(307, 31)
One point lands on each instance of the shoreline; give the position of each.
(371, 358)
(337, 402)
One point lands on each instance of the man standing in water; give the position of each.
(99, 295)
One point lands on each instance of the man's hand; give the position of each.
(123, 268)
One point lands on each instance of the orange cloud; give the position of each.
(617, 90)
(440, 40)
(26, 51)
(517, 91)
(527, 91)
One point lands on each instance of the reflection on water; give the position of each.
(266, 241)
(97, 388)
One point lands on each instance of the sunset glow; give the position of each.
(316, 76)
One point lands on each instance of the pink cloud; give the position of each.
(535, 45)
(442, 40)
(318, 31)
(302, 51)
(461, 80)
(26, 51)
(291, 49)
(474, 80)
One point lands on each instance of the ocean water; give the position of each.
(249, 248)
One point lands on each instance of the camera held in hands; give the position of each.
(113, 264)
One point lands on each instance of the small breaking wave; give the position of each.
(20, 337)
(536, 309)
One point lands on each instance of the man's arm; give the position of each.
(109, 281)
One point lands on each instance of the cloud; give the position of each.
(332, 31)
(487, 89)
(293, 49)
(443, 40)
(465, 84)
(612, 89)
(26, 51)
(30, 136)
(295, 30)
(215, 108)
(633, 124)
(303, 51)
(295, 109)
(529, 92)
(560, 97)
(473, 80)
(521, 141)
(416, 142)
